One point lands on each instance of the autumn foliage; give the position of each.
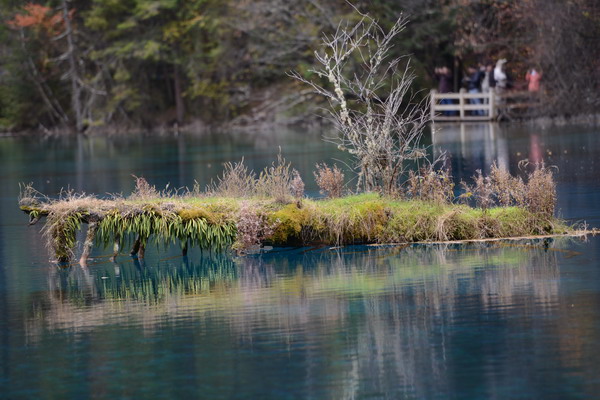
(39, 17)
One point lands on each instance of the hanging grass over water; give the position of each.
(165, 225)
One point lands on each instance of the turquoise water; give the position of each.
(504, 320)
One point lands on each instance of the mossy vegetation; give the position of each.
(272, 209)
(214, 222)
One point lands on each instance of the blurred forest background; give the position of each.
(127, 64)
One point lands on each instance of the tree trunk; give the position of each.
(75, 86)
(179, 105)
(53, 105)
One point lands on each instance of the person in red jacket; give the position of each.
(533, 79)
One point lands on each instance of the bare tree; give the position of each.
(52, 54)
(375, 113)
(73, 74)
(85, 88)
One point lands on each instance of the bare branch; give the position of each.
(371, 104)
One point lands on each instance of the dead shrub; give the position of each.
(430, 184)
(236, 181)
(501, 181)
(297, 185)
(330, 180)
(143, 190)
(541, 191)
(507, 189)
(466, 196)
(276, 181)
(482, 191)
(519, 192)
(380, 133)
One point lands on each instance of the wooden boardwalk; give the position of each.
(460, 106)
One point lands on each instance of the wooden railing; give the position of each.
(461, 106)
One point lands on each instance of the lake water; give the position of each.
(502, 320)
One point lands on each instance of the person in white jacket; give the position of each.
(500, 76)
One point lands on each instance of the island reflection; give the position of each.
(397, 309)
(284, 288)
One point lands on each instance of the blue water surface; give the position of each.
(512, 320)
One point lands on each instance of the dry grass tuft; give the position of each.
(64, 219)
(500, 188)
(143, 190)
(541, 191)
(276, 181)
(236, 181)
(508, 190)
(430, 184)
(29, 197)
(279, 182)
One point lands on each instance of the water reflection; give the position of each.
(179, 160)
(389, 315)
(472, 146)
(430, 275)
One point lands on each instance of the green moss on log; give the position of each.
(211, 222)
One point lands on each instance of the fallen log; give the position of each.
(217, 223)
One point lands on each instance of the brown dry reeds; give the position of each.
(276, 181)
(143, 190)
(330, 180)
(236, 181)
(541, 191)
(430, 184)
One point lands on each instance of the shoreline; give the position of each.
(316, 123)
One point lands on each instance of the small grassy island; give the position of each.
(244, 212)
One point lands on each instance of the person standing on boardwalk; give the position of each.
(488, 83)
(500, 76)
(444, 77)
(533, 79)
(473, 81)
